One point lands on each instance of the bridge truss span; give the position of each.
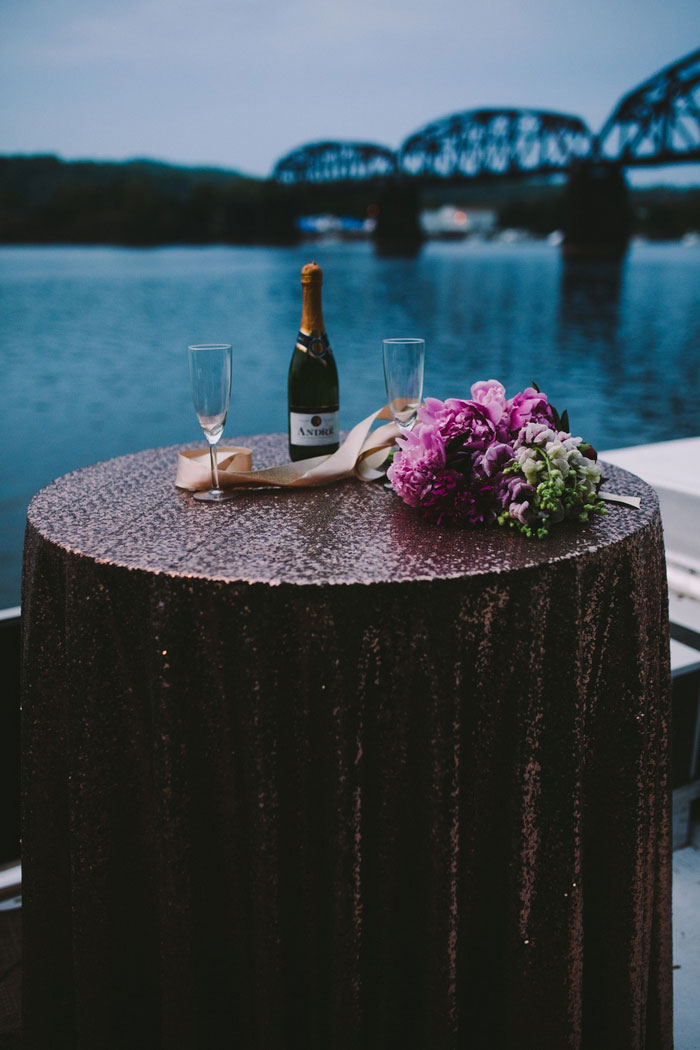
(495, 142)
(325, 162)
(659, 121)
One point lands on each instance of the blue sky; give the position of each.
(238, 84)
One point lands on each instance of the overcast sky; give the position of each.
(238, 83)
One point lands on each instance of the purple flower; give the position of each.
(515, 489)
(521, 512)
(446, 463)
(517, 498)
(495, 458)
(530, 406)
(454, 417)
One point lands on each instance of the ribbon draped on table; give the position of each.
(361, 454)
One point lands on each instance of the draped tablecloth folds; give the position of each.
(303, 771)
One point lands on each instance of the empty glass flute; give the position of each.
(210, 374)
(403, 377)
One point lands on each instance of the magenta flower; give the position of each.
(455, 499)
(530, 406)
(491, 395)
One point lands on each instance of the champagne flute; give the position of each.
(403, 378)
(210, 374)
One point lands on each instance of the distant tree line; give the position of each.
(665, 213)
(45, 200)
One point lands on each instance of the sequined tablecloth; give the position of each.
(303, 771)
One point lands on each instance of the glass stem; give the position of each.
(214, 468)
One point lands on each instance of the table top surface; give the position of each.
(128, 512)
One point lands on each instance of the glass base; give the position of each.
(214, 496)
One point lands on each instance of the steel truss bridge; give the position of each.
(656, 123)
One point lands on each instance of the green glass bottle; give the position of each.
(312, 384)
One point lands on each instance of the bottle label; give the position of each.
(319, 428)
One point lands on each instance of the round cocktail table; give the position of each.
(302, 770)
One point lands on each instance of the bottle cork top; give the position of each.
(311, 274)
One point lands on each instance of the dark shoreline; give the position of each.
(44, 200)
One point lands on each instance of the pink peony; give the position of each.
(491, 395)
(530, 406)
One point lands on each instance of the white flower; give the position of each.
(530, 463)
(559, 457)
(590, 472)
(535, 434)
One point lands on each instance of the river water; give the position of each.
(92, 343)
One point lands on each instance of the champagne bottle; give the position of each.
(312, 385)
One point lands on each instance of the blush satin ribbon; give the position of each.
(360, 455)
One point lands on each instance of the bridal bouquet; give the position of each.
(491, 460)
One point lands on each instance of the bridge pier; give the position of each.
(277, 216)
(398, 230)
(597, 212)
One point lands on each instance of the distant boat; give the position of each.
(335, 227)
